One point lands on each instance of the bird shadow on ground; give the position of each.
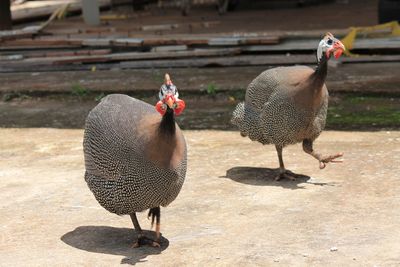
(114, 241)
(263, 177)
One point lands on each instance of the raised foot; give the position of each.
(145, 241)
(286, 174)
(331, 158)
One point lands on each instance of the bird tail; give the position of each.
(238, 118)
(155, 214)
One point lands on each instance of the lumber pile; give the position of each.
(127, 44)
(107, 47)
(71, 52)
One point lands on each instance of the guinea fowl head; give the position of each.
(330, 45)
(169, 99)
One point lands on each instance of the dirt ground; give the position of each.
(230, 211)
(361, 78)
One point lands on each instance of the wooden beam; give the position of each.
(116, 57)
(311, 45)
(19, 65)
(20, 33)
(35, 9)
(186, 40)
(28, 43)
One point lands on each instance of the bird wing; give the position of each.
(111, 139)
(279, 80)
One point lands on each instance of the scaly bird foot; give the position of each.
(145, 241)
(285, 174)
(331, 158)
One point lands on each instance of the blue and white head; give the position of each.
(169, 98)
(168, 88)
(330, 45)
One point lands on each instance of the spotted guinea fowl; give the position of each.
(135, 159)
(288, 105)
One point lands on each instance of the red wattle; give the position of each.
(338, 53)
(180, 106)
(159, 108)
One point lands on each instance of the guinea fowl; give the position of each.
(288, 105)
(135, 159)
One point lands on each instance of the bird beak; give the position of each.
(338, 49)
(170, 102)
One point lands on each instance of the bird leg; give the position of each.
(283, 173)
(323, 160)
(155, 213)
(141, 239)
(138, 229)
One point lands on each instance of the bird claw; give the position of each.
(285, 174)
(143, 241)
(331, 158)
(155, 244)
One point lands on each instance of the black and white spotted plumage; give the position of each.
(288, 105)
(118, 172)
(270, 114)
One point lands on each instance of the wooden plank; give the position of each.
(161, 27)
(266, 40)
(40, 47)
(58, 53)
(249, 60)
(159, 55)
(99, 30)
(378, 43)
(307, 45)
(169, 48)
(229, 41)
(231, 61)
(223, 41)
(127, 42)
(42, 42)
(97, 42)
(243, 60)
(35, 9)
(30, 31)
(127, 56)
(212, 41)
(91, 40)
(20, 33)
(11, 57)
(71, 53)
(368, 59)
(204, 24)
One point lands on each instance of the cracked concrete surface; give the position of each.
(230, 211)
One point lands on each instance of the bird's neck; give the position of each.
(319, 75)
(167, 124)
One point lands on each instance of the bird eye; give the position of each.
(329, 42)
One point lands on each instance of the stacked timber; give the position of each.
(125, 45)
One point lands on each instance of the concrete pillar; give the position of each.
(91, 12)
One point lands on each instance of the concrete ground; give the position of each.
(230, 211)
